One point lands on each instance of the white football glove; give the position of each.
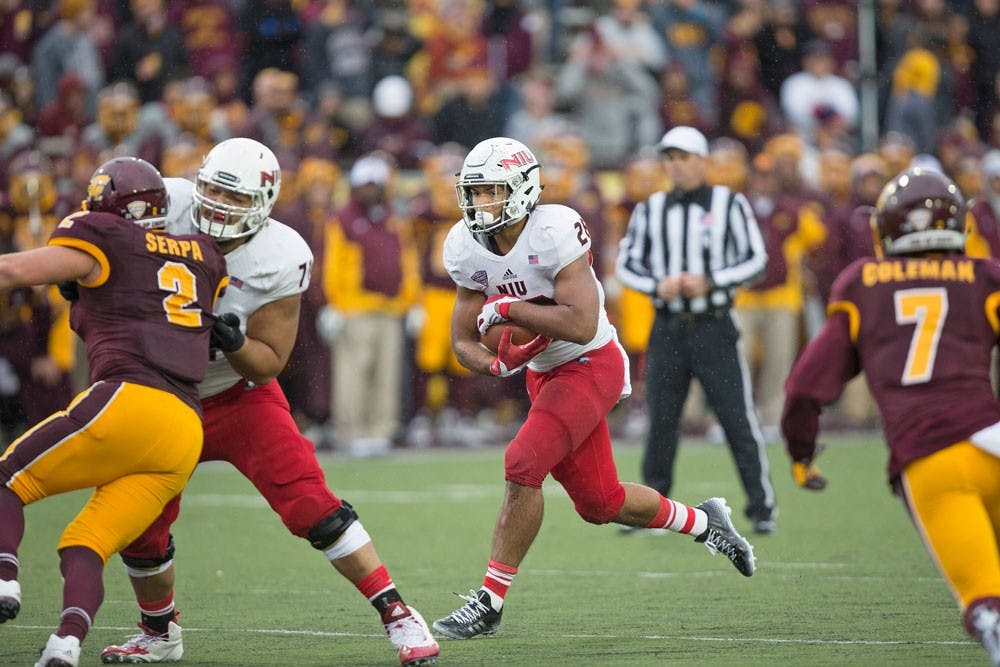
(329, 324)
(494, 312)
(416, 318)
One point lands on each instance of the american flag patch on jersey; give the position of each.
(235, 282)
(532, 259)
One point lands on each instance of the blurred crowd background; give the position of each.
(370, 107)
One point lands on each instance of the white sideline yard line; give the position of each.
(690, 638)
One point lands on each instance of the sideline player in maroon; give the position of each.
(920, 321)
(144, 311)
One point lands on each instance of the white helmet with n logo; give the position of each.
(512, 169)
(242, 166)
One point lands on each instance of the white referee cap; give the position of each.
(686, 139)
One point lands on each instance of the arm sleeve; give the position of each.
(743, 225)
(817, 379)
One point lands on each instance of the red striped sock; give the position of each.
(678, 517)
(376, 583)
(158, 607)
(498, 579)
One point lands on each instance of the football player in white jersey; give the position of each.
(247, 421)
(515, 261)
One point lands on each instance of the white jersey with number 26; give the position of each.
(553, 237)
(276, 262)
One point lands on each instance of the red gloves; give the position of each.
(511, 359)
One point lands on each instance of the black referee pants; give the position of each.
(683, 346)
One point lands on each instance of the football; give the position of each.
(519, 335)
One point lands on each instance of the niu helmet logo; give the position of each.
(268, 178)
(518, 159)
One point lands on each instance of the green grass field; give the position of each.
(844, 582)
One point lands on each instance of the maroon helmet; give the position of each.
(131, 188)
(919, 211)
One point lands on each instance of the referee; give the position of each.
(689, 249)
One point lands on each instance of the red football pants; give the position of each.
(566, 433)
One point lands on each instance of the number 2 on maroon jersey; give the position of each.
(177, 279)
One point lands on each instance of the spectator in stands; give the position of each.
(509, 46)
(66, 115)
(781, 42)
(393, 45)
(116, 130)
(678, 105)
(20, 23)
(536, 117)
(396, 128)
(613, 99)
(691, 28)
(337, 49)
(836, 23)
(748, 111)
(149, 51)
(277, 118)
(211, 40)
(273, 32)
(984, 26)
(897, 150)
(15, 136)
(329, 133)
(807, 93)
(67, 46)
(984, 211)
(451, 46)
(476, 113)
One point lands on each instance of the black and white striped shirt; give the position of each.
(708, 231)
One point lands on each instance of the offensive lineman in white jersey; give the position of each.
(515, 261)
(247, 421)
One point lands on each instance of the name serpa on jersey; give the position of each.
(276, 262)
(553, 237)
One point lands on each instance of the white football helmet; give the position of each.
(512, 169)
(243, 166)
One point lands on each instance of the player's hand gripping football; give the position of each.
(226, 334)
(807, 475)
(511, 358)
(494, 311)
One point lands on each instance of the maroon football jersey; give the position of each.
(922, 330)
(148, 317)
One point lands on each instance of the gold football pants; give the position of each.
(136, 445)
(954, 497)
